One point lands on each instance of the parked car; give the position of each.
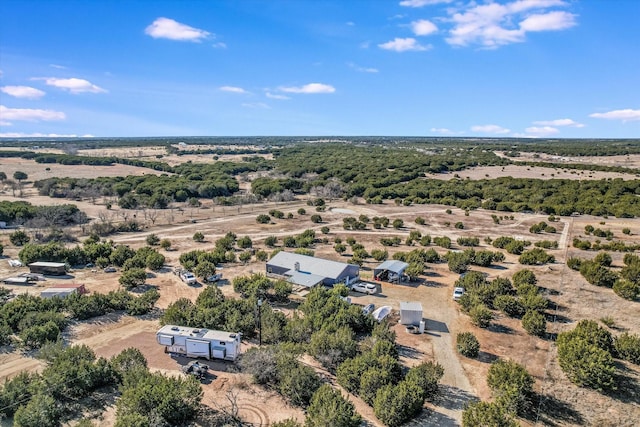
(188, 277)
(457, 293)
(368, 309)
(365, 288)
(110, 269)
(214, 278)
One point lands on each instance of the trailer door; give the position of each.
(197, 348)
(165, 339)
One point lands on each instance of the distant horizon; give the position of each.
(450, 68)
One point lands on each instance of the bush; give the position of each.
(626, 289)
(536, 256)
(481, 316)
(397, 223)
(152, 240)
(394, 405)
(329, 408)
(603, 258)
(467, 344)
(420, 221)
(584, 363)
(485, 414)
(512, 385)
(627, 346)
(524, 276)
(534, 323)
(316, 219)
(509, 305)
(426, 376)
(263, 219)
(19, 238)
(459, 225)
(198, 237)
(132, 278)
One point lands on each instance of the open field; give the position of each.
(572, 298)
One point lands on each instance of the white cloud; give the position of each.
(232, 89)
(403, 45)
(40, 135)
(559, 122)
(73, 85)
(275, 96)
(59, 67)
(624, 115)
(30, 115)
(442, 130)
(362, 69)
(351, 24)
(541, 130)
(256, 105)
(420, 3)
(490, 129)
(165, 28)
(219, 45)
(309, 88)
(492, 25)
(423, 27)
(551, 21)
(23, 92)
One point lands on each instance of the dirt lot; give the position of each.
(573, 299)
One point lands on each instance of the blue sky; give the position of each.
(540, 68)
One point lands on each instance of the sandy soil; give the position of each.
(465, 379)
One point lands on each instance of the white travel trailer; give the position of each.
(197, 342)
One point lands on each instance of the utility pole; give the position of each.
(259, 322)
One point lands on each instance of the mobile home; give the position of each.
(48, 268)
(197, 342)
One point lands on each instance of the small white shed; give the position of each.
(410, 313)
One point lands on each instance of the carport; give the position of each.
(390, 271)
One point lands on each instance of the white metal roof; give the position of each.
(46, 264)
(410, 306)
(307, 280)
(393, 265)
(197, 333)
(308, 264)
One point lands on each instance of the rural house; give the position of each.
(310, 271)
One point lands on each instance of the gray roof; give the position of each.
(309, 264)
(301, 278)
(410, 306)
(393, 265)
(46, 264)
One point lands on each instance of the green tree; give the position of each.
(20, 176)
(627, 346)
(586, 364)
(152, 240)
(485, 414)
(132, 278)
(512, 385)
(426, 376)
(19, 238)
(397, 223)
(198, 237)
(165, 244)
(329, 408)
(534, 323)
(42, 410)
(481, 316)
(467, 344)
(395, 405)
(316, 219)
(271, 241)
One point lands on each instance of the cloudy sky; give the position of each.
(539, 68)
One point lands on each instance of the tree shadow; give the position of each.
(628, 385)
(409, 352)
(557, 318)
(453, 398)
(551, 411)
(500, 329)
(486, 357)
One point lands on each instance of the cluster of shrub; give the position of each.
(512, 391)
(21, 212)
(51, 397)
(36, 321)
(363, 356)
(586, 354)
(541, 227)
(520, 299)
(625, 283)
(459, 261)
(616, 246)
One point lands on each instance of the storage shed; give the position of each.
(410, 312)
(390, 271)
(58, 292)
(79, 287)
(195, 342)
(48, 268)
(309, 271)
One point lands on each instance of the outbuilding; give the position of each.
(410, 312)
(197, 342)
(79, 287)
(390, 271)
(308, 271)
(48, 268)
(58, 292)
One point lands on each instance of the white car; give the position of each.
(365, 288)
(188, 277)
(457, 293)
